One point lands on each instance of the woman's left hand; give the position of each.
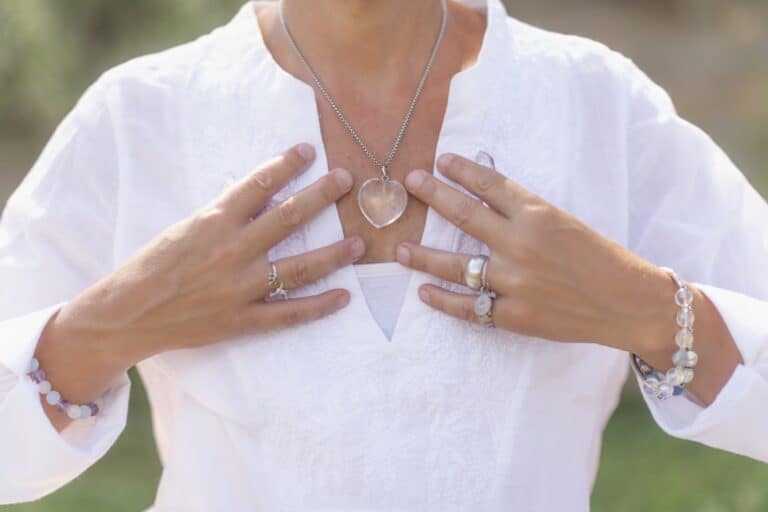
(553, 276)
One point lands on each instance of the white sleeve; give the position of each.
(56, 239)
(693, 210)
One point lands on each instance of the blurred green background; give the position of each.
(711, 55)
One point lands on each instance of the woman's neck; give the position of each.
(375, 37)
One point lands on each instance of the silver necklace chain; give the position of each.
(383, 166)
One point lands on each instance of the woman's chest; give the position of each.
(384, 133)
(344, 360)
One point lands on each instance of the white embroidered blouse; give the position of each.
(332, 415)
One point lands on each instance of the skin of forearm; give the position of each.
(77, 365)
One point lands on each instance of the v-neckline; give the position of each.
(428, 237)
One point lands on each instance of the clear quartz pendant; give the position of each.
(381, 200)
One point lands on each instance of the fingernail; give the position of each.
(424, 293)
(342, 300)
(414, 179)
(306, 151)
(403, 254)
(343, 178)
(444, 160)
(358, 248)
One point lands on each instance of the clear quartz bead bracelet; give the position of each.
(664, 385)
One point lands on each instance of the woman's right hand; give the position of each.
(200, 281)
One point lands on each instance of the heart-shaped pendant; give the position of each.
(381, 201)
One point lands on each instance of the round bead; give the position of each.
(684, 338)
(73, 411)
(665, 391)
(679, 358)
(52, 397)
(684, 297)
(651, 385)
(44, 387)
(34, 364)
(691, 358)
(94, 409)
(687, 375)
(685, 318)
(675, 376)
(85, 411)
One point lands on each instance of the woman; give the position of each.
(359, 371)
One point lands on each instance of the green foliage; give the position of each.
(51, 50)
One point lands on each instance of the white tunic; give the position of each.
(332, 415)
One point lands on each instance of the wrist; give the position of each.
(80, 363)
(650, 327)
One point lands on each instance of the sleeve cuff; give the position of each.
(733, 421)
(19, 337)
(40, 459)
(747, 321)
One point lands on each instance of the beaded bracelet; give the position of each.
(672, 383)
(53, 397)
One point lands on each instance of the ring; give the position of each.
(275, 284)
(476, 277)
(483, 307)
(474, 272)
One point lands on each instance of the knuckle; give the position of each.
(293, 315)
(293, 159)
(466, 310)
(455, 167)
(463, 211)
(289, 212)
(522, 317)
(209, 218)
(427, 188)
(484, 179)
(225, 254)
(514, 282)
(540, 213)
(300, 273)
(328, 190)
(340, 255)
(262, 181)
(523, 252)
(456, 270)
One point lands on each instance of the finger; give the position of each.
(250, 194)
(443, 264)
(508, 312)
(285, 313)
(279, 221)
(498, 191)
(302, 269)
(458, 305)
(466, 212)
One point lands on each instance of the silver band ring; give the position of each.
(474, 272)
(275, 284)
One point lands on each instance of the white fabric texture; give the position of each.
(331, 415)
(383, 285)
